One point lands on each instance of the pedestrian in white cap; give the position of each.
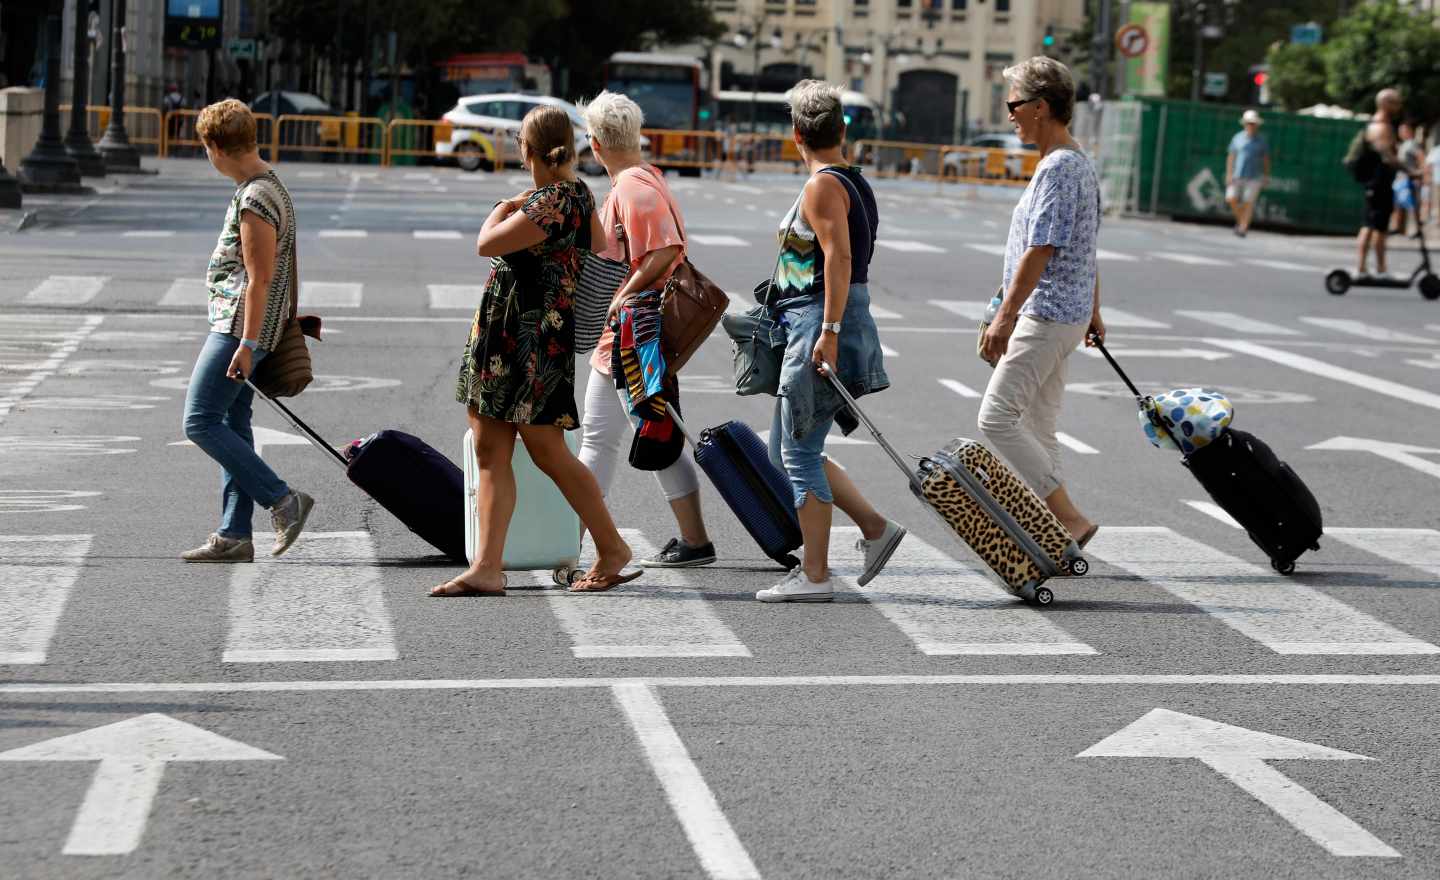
(1247, 170)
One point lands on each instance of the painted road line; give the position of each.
(970, 310)
(1284, 616)
(69, 331)
(1114, 256)
(66, 290)
(739, 303)
(1120, 318)
(667, 618)
(323, 601)
(187, 292)
(960, 388)
(148, 233)
(1400, 453)
(880, 313)
(343, 233)
(1330, 371)
(1214, 511)
(1075, 444)
(910, 247)
(1366, 331)
(455, 296)
(887, 351)
(949, 608)
(721, 854)
(994, 250)
(1415, 548)
(36, 577)
(1190, 259)
(1285, 266)
(719, 240)
(1235, 323)
(331, 294)
(437, 234)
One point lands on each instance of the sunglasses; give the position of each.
(1016, 105)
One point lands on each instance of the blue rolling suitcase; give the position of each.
(735, 459)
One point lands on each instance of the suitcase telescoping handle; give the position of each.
(294, 420)
(870, 426)
(1144, 401)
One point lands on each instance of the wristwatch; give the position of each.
(832, 326)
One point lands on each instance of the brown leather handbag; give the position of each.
(286, 371)
(691, 306)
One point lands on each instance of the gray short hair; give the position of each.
(615, 121)
(818, 114)
(1042, 77)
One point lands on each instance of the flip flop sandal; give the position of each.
(467, 590)
(1085, 538)
(602, 583)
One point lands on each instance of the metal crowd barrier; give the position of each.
(298, 137)
(422, 137)
(946, 163)
(685, 149)
(180, 138)
(144, 125)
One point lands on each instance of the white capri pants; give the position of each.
(608, 426)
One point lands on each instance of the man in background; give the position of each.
(1247, 169)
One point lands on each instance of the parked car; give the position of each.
(1019, 157)
(484, 125)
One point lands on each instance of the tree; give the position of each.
(1384, 44)
(1297, 75)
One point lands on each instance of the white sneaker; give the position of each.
(879, 551)
(796, 587)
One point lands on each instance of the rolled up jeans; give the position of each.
(1022, 401)
(802, 459)
(217, 419)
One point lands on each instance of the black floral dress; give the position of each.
(519, 362)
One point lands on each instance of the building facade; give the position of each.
(932, 67)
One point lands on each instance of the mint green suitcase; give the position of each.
(545, 531)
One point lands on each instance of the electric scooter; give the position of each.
(1339, 281)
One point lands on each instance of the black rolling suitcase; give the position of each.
(405, 475)
(1245, 477)
(735, 459)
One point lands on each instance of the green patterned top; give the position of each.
(225, 277)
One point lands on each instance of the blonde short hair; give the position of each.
(227, 126)
(1042, 77)
(615, 121)
(817, 113)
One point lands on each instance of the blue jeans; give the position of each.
(217, 419)
(803, 460)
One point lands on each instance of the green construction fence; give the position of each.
(1181, 166)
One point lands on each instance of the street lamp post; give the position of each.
(77, 140)
(115, 146)
(48, 166)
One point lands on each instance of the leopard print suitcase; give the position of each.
(975, 493)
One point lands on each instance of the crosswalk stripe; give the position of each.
(971, 310)
(1415, 548)
(185, 292)
(909, 247)
(1366, 331)
(1189, 259)
(148, 233)
(438, 234)
(1284, 266)
(1214, 511)
(1120, 318)
(739, 303)
(455, 296)
(1075, 444)
(1114, 256)
(331, 294)
(949, 608)
(880, 313)
(35, 581)
(994, 250)
(1237, 323)
(667, 618)
(960, 388)
(718, 240)
(887, 351)
(1372, 384)
(1284, 616)
(343, 233)
(323, 602)
(66, 290)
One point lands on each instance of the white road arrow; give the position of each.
(1400, 453)
(264, 437)
(132, 755)
(1239, 755)
(1189, 354)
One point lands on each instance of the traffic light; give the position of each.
(1260, 78)
(1049, 39)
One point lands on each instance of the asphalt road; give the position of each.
(926, 726)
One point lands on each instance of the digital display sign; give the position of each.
(193, 24)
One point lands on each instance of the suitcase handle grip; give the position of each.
(870, 426)
(294, 420)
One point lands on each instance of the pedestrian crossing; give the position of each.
(325, 602)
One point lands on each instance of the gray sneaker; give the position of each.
(879, 551)
(289, 516)
(218, 549)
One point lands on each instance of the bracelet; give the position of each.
(251, 344)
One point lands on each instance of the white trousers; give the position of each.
(608, 427)
(1022, 401)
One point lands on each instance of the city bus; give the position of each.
(670, 89)
(772, 113)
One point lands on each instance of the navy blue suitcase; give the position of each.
(406, 476)
(735, 459)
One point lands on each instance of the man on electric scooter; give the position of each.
(1377, 175)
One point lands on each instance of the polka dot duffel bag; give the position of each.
(1195, 417)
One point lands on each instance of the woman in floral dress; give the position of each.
(517, 373)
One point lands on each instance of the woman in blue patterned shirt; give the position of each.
(1051, 295)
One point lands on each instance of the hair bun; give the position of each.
(557, 155)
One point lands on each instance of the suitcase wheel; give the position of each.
(1283, 567)
(1043, 596)
(564, 576)
(1079, 567)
